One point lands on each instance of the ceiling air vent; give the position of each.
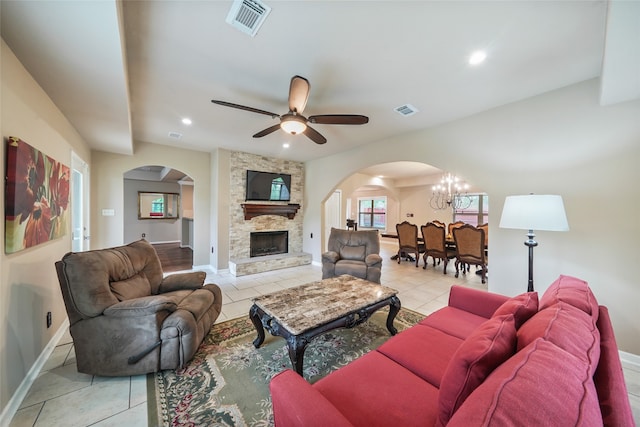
(406, 110)
(247, 15)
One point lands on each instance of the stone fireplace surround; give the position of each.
(240, 261)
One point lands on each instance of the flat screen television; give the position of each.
(268, 186)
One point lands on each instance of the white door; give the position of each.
(332, 214)
(79, 204)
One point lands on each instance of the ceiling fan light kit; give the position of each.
(293, 122)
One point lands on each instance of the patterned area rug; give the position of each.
(227, 382)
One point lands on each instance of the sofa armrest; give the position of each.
(476, 301)
(182, 281)
(373, 259)
(330, 256)
(297, 403)
(609, 377)
(144, 306)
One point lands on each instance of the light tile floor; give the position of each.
(61, 396)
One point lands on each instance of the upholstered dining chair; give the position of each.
(439, 223)
(485, 227)
(435, 245)
(408, 241)
(470, 249)
(453, 225)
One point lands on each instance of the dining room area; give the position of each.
(435, 244)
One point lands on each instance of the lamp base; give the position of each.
(530, 243)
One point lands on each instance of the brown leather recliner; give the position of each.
(356, 253)
(126, 318)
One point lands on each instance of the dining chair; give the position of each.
(435, 245)
(439, 223)
(408, 241)
(470, 249)
(485, 227)
(453, 225)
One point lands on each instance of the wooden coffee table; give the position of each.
(301, 313)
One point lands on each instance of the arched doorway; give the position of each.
(158, 207)
(403, 188)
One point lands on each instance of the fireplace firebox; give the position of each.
(264, 243)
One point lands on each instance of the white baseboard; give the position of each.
(16, 400)
(630, 358)
(165, 241)
(316, 263)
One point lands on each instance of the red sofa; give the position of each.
(484, 360)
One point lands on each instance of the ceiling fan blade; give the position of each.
(298, 94)
(339, 119)
(267, 131)
(243, 107)
(314, 135)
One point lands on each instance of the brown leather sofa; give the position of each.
(356, 253)
(126, 318)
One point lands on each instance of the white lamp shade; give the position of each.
(534, 212)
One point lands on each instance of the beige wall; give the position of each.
(561, 142)
(28, 283)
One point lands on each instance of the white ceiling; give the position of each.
(129, 71)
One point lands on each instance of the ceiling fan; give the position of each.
(294, 122)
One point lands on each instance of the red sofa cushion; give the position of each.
(574, 292)
(454, 321)
(292, 395)
(522, 307)
(375, 391)
(484, 350)
(569, 328)
(541, 385)
(423, 350)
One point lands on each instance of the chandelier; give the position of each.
(449, 194)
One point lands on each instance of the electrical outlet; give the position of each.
(49, 320)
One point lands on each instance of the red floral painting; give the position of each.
(36, 197)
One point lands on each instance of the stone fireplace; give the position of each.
(262, 243)
(247, 218)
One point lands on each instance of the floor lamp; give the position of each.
(534, 212)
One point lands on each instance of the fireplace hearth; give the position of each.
(264, 243)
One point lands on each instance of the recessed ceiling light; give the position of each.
(477, 57)
(186, 121)
(285, 145)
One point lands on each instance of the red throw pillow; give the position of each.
(541, 385)
(568, 327)
(486, 348)
(573, 291)
(522, 307)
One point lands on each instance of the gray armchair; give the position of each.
(125, 318)
(353, 252)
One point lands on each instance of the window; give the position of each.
(279, 190)
(157, 205)
(477, 213)
(372, 213)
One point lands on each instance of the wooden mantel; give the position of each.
(254, 209)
